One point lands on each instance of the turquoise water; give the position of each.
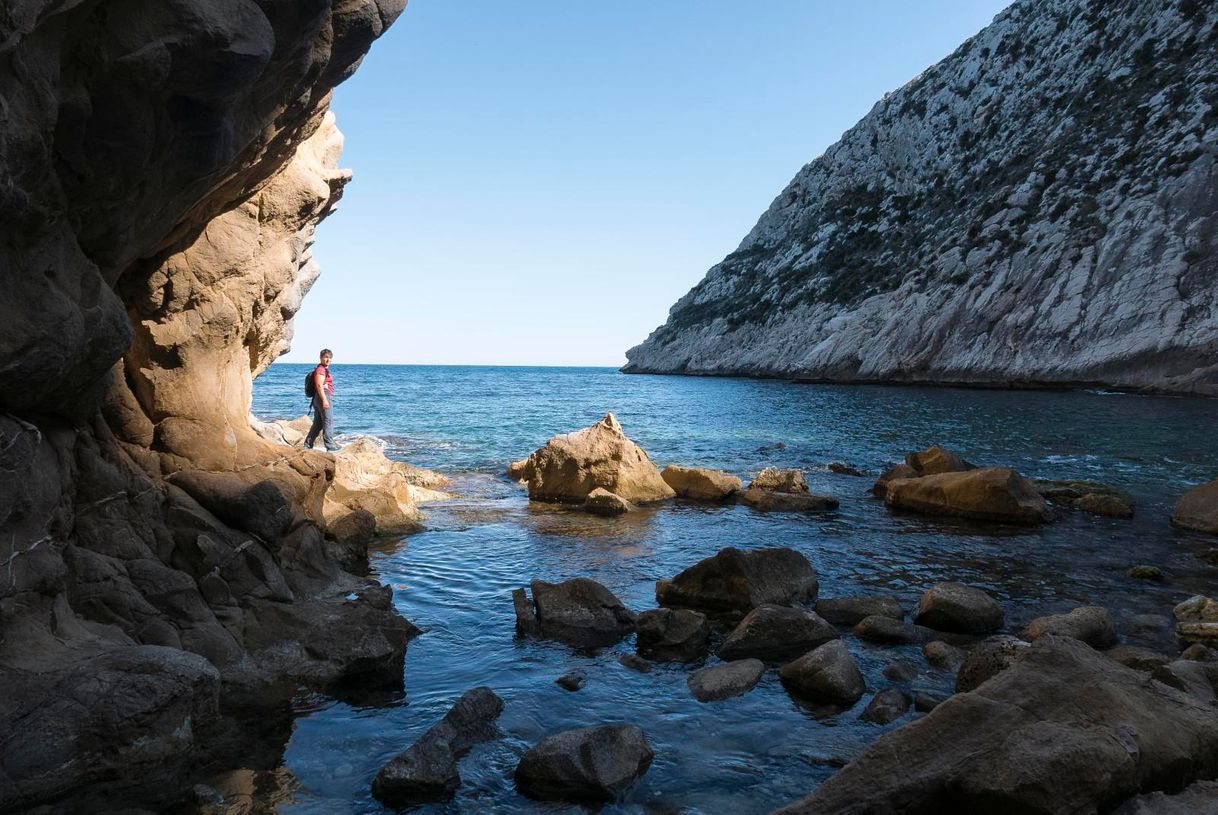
(759, 751)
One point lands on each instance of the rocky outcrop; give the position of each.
(571, 466)
(1064, 729)
(735, 580)
(992, 223)
(1197, 509)
(159, 191)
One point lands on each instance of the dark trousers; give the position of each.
(323, 422)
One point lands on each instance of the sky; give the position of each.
(537, 182)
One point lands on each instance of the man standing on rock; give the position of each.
(323, 404)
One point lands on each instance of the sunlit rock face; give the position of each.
(162, 169)
(1038, 208)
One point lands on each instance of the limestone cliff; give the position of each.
(1039, 208)
(162, 169)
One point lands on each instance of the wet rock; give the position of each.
(827, 674)
(588, 764)
(677, 635)
(1067, 492)
(1197, 509)
(1199, 653)
(1198, 798)
(926, 701)
(960, 608)
(887, 631)
(893, 473)
(843, 469)
(571, 466)
(579, 612)
(771, 501)
(725, 680)
(900, 671)
(1107, 506)
(1091, 624)
(1063, 730)
(635, 663)
(988, 659)
(852, 610)
(602, 502)
(1136, 657)
(775, 632)
(1197, 619)
(519, 470)
(526, 615)
(886, 707)
(1153, 573)
(735, 580)
(936, 460)
(700, 484)
(940, 654)
(427, 770)
(988, 494)
(572, 680)
(773, 479)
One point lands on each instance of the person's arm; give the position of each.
(319, 386)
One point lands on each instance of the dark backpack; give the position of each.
(311, 383)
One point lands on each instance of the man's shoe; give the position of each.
(334, 449)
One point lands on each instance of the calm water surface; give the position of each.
(756, 752)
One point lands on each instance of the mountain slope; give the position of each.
(1039, 208)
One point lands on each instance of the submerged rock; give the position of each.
(579, 612)
(572, 680)
(960, 608)
(1091, 624)
(827, 674)
(677, 635)
(1197, 509)
(736, 580)
(1063, 730)
(427, 771)
(725, 680)
(1108, 506)
(844, 469)
(1153, 573)
(987, 494)
(602, 502)
(635, 663)
(774, 632)
(852, 610)
(700, 484)
(571, 466)
(587, 764)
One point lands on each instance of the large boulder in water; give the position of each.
(579, 612)
(931, 461)
(776, 632)
(736, 580)
(602, 502)
(784, 491)
(956, 607)
(1064, 729)
(588, 764)
(852, 610)
(1198, 509)
(725, 680)
(700, 484)
(827, 674)
(987, 494)
(427, 772)
(571, 466)
(677, 635)
(1091, 624)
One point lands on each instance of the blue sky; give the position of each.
(537, 182)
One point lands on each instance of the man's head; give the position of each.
(326, 356)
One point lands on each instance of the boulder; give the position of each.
(1198, 798)
(931, 461)
(1091, 624)
(725, 680)
(827, 674)
(1136, 657)
(1066, 493)
(572, 680)
(987, 659)
(893, 473)
(571, 466)
(635, 663)
(426, 771)
(1063, 730)
(886, 706)
(588, 764)
(366, 481)
(1198, 679)
(844, 469)
(736, 580)
(775, 632)
(1107, 506)
(926, 701)
(700, 484)
(1197, 619)
(960, 608)
(987, 494)
(1199, 653)
(772, 501)
(676, 635)
(887, 631)
(774, 479)
(900, 671)
(940, 654)
(1197, 509)
(602, 502)
(579, 612)
(852, 610)
(1143, 572)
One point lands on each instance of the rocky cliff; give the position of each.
(162, 169)
(1039, 208)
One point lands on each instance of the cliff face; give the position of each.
(1039, 208)
(162, 169)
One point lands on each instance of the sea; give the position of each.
(753, 753)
